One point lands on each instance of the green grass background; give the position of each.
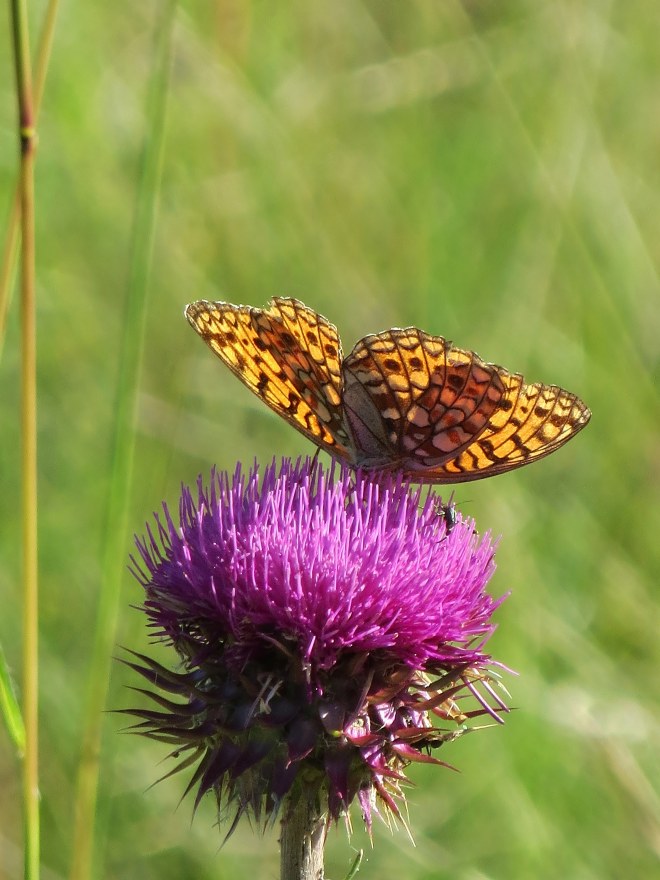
(485, 170)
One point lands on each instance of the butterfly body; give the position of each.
(401, 401)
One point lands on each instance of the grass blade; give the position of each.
(11, 711)
(123, 448)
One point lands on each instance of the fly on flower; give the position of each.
(448, 512)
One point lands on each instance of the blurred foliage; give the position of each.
(488, 171)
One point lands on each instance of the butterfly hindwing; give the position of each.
(433, 398)
(532, 421)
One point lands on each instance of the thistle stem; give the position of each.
(303, 839)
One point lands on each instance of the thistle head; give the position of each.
(330, 629)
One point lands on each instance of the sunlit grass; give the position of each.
(485, 171)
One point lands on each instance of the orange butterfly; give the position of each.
(402, 400)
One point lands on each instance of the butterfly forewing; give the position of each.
(287, 355)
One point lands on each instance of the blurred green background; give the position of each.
(489, 171)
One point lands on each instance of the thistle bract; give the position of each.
(330, 630)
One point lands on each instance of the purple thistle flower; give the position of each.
(324, 622)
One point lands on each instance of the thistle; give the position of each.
(330, 630)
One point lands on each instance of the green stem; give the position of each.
(27, 141)
(116, 513)
(8, 261)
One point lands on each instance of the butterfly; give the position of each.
(401, 401)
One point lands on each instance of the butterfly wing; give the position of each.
(415, 403)
(288, 355)
(531, 421)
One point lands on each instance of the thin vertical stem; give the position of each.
(303, 838)
(28, 440)
(116, 513)
(7, 261)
